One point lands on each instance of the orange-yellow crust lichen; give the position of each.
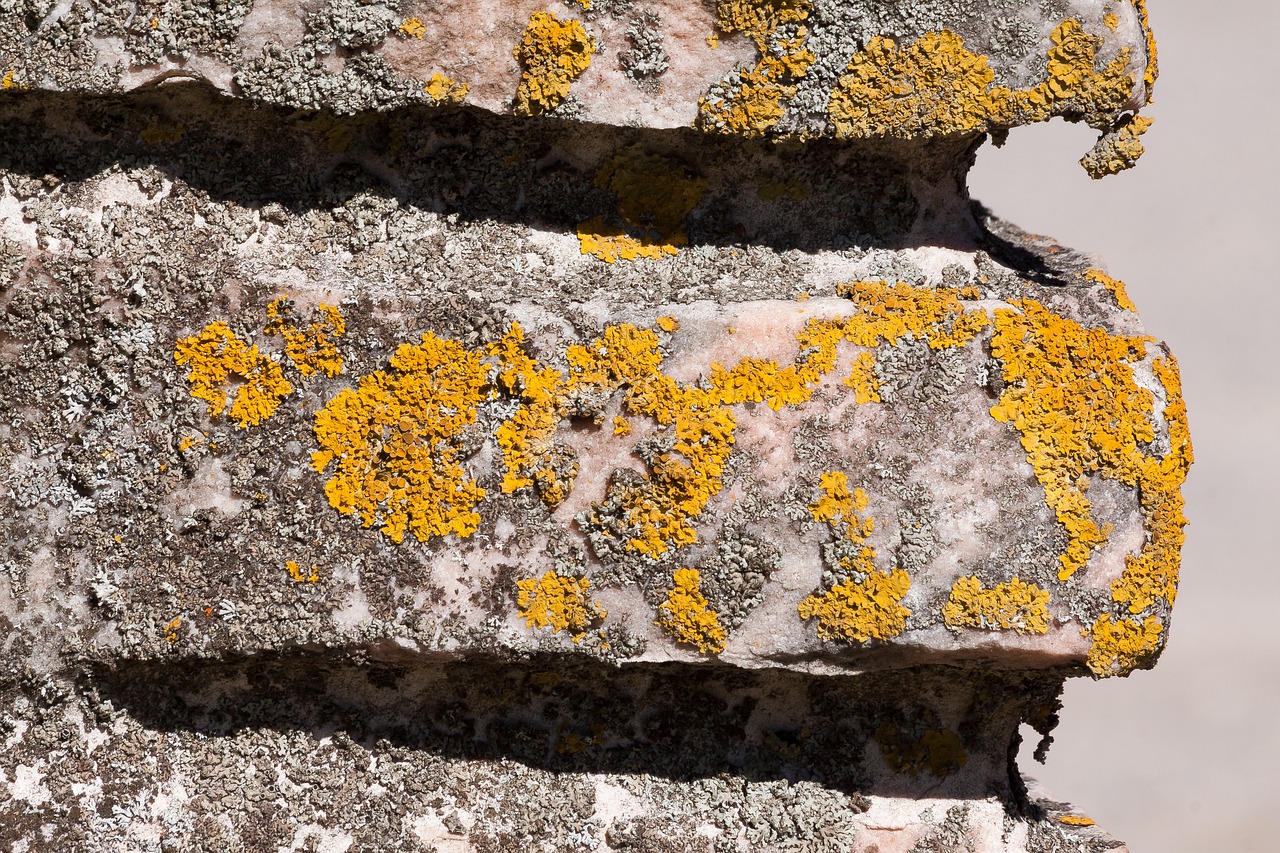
(443, 90)
(1073, 397)
(1114, 286)
(553, 54)
(413, 28)
(215, 355)
(311, 348)
(866, 604)
(751, 100)
(686, 616)
(299, 574)
(559, 603)
(1117, 149)
(1123, 645)
(394, 442)
(937, 751)
(935, 86)
(655, 194)
(1013, 606)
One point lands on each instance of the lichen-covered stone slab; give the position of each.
(800, 68)
(285, 403)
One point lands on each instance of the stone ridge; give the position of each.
(791, 68)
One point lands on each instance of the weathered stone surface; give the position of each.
(381, 469)
(849, 68)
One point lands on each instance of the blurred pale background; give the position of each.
(1187, 757)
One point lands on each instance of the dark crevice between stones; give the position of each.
(462, 161)
(925, 731)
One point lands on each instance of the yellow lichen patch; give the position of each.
(160, 133)
(171, 629)
(655, 194)
(300, 575)
(668, 324)
(621, 426)
(1111, 21)
(1121, 646)
(750, 102)
(394, 442)
(217, 354)
(686, 616)
(8, 81)
(553, 54)
(937, 751)
(1013, 606)
(413, 28)
(559, 603)
(1072, 396)
(865, 605)
(1114, 286)
(1152, 575)
(311, 348)
(527, 437)
(1153, 69)
(1118, 149)
(862, 379)
(443, 90)
(1075, 820)
(839, 508)
(935, 86)
(611, 244)
(930, 87)
(857, 611)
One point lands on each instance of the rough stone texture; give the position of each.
(579, 485)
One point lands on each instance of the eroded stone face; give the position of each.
(806, 68)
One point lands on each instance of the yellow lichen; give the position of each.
(1153, 69)
(213, 357)
(311, 348)
(862, 379)
(559, 603)
(1016, 606)
(171, 629)
(161, 133)
(1075, 820)
(857, 611)
(299, 575)
(1117, 149)
(749, 102)
(668, 324)
(1073, 397)
(394, 442)
(865, 605)
(655, 194)
(413, 28)
(686, 616)
(443, 90)
(937, 751)
(553, 54)
(621, 426)
(1121, 645)
(1115, 287)
(8, 81)
(935, 86)
(1111, 21)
